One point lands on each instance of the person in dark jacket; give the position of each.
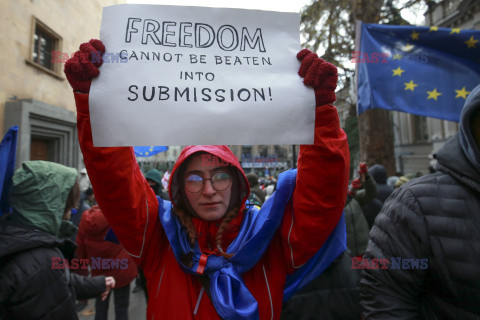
(35, 284)
(334, 294)
(361, 191)
(93, 246)
(372, 208)
(154, 179)
(429, 229)
(379, 174)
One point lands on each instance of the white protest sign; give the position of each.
(175, 75)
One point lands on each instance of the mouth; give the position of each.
(209, 204)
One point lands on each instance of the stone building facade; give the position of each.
(34, 93)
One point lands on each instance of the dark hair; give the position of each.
(73, 197)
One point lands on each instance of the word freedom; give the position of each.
(188, 94)
(189, 35)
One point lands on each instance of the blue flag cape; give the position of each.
(230, 297)
(8, 150)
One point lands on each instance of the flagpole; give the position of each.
(358, 36)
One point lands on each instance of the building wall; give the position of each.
(75, 21)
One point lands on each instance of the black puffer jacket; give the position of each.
(29, 287)
(331, 296)
(434, 217)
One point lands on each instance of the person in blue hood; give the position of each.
(429, 230)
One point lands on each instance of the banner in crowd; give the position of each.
(427, 71)
(175, 75)
(148, 151)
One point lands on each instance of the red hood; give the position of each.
(93, 222)
(221, 151)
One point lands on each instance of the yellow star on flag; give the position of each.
(455, 30)
(410, 85)
(397, 56)
(408, 47)
(471, 42)
(462, 93)
(414, 35)
(433, 28)
(398, 72)
(433, 94)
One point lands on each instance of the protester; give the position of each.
(269, 189)
(379, 174)
(334, 294)
(331, 296)
(34, 282)
(402, 180)
(255, 187)
(154, 179)
(193, 252)
(429, 229)
(83, 180)
(108, 259)
(372, 208)
(362, 190)
(392, 180)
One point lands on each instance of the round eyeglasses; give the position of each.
(220, 181)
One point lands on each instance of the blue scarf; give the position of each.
(229, 294)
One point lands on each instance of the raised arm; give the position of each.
(121, 191)
(322, 177)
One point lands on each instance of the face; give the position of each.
(208, 203)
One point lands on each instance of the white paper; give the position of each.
(256, 97)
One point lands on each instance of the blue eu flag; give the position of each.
(8, 151)
(148, 151)
(427, 71)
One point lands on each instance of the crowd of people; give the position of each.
(314, 243)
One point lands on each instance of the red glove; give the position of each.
(357, 184)
(321, 75)
(363, 168)
(83, 66)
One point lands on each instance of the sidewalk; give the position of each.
(136, 311)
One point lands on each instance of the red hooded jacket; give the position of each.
(91, 244)
(131, 208)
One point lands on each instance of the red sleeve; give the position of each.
(123, 194)
(320, 191)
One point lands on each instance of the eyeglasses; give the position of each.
(220, 181)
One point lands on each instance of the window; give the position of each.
(44, 42)
(420, 128)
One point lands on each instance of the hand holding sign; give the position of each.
(319, 74)
(83, 66)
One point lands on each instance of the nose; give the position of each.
(208, 189)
